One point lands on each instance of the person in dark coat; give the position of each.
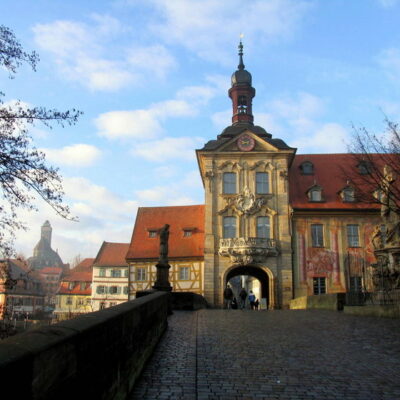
(243, 297)
(228, 296)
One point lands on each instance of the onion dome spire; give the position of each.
(241, 92)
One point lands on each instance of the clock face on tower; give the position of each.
(245, 142)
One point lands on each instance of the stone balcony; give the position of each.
(246, 251)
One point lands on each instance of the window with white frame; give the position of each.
(353, 239)
(187, 232)
(229, 183)
(116, 273)
(319, 285)
(140, 274)
(229, 227)
(126, 290)
(263, 227)
(184, 273)
(101, 289)
(262, 182)
(69, 300)
(102, 272)
(114, 290)
(317, 235)
(126, 273)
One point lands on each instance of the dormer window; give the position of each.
(187, 232)
(364, 167)
(315, 193)
(348, 194)
(153, 233)
(307, 168)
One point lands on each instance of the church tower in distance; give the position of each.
(247, 213)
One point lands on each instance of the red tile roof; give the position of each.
(179, 218)
(81, 273)
(112, 255)
(328, 173)
(76, 290)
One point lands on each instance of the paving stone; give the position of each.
(296, 355)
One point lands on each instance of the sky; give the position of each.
(151, 78)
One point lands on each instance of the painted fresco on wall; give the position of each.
(319, 261)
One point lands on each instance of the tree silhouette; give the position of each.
(24, 174)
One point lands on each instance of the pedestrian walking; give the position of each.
(256, 304)
(234, 304)
(228, 296)
(243, 297)
(252, 300)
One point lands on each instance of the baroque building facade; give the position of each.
(291, 221)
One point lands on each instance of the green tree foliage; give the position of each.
(24, 174)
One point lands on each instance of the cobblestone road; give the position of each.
(219, 354)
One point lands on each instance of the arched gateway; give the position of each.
(263, 275)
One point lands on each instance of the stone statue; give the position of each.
(377, 240)
(164, 235)
(389, 210)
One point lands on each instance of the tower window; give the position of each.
(263, 227)
(242, 105)
(262, 183)
(229, 183)
(229, 227)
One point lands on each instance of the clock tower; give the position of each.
(247, 213)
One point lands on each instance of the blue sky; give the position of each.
(152, 77)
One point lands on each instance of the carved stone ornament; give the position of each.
(245, 251)
(209, 176)
(245, 203)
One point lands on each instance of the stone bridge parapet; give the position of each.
(95, 356)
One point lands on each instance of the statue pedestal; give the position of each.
(162, 282)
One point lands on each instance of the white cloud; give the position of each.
(83, 54)
(166, 195)
(389, 59)
(328, 138)
(147, 123)
(299, 111)
(168, 148)
(206, 27)
(124, 124)
(102, 214)
(155, 59)
(222, 119)
(77, 155)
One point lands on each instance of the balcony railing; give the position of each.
(248, 250)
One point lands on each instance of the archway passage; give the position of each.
(255, 272)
